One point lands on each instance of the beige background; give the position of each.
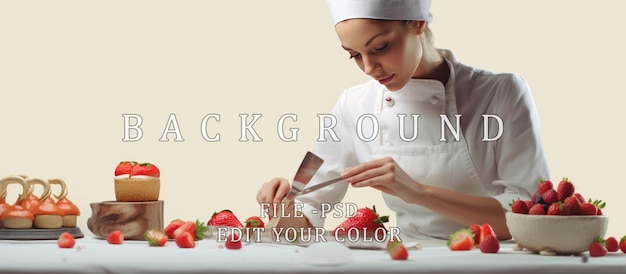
(70, 69)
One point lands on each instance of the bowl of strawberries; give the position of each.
(556, 220)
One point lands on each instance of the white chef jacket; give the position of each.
(505, 169)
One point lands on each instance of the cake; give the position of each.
(70, 210)
(137, 182)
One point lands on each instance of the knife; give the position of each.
(320, 185)
(309, 166)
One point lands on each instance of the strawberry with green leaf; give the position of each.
(224, 218)
(365, 222)
(195, 229)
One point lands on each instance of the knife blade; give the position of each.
(320, 185)
(308, 167)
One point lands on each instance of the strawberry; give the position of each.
(155, 237)
(622, 244)
(124, 167)
(565, 189)
(537, 209)
(224, 218)
(254, 221)
(171, 227)
(489, 244)
(599, 205)
(588, 209)
(486, 230)
(580, 197)
(196, 229)
(462, 239)
(475, 228)
(66, 240)
(550, 196)
(611, 244)
(544, 185)
(519, 206)
(558, 208)
(146, 169)
(397, 251)
(233, 242)
(597, 248)
(116, 237)
(529, 204)
(365, 220)
(573, 204)
(535, 199)
(185, 240)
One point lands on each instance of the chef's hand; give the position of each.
(273, 192)
(385, 175)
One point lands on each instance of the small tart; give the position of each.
(70, 212)
(48, 214)
(17, 217)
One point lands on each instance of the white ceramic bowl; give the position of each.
(564, 235)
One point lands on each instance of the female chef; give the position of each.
(436, 181)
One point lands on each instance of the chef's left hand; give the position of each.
(385, 175)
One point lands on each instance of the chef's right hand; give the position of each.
(273, 192)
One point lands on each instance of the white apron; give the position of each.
(446, 164)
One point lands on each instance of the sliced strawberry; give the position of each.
(397, 251)
(475, 228)
(254, 221)
(185, 240)
(611, 244)
(116, 237)
(172, 226)
(489, 244)
(233, 241)
(155, 237)
(462, 239)
(66, 240)
(486, 230)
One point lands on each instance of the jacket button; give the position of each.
(389, 101)
(434, 100)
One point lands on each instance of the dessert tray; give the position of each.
(38, 233)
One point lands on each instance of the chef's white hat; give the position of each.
(380, 9)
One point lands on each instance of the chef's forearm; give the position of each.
(466, 209)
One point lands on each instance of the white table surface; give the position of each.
(92, 255)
